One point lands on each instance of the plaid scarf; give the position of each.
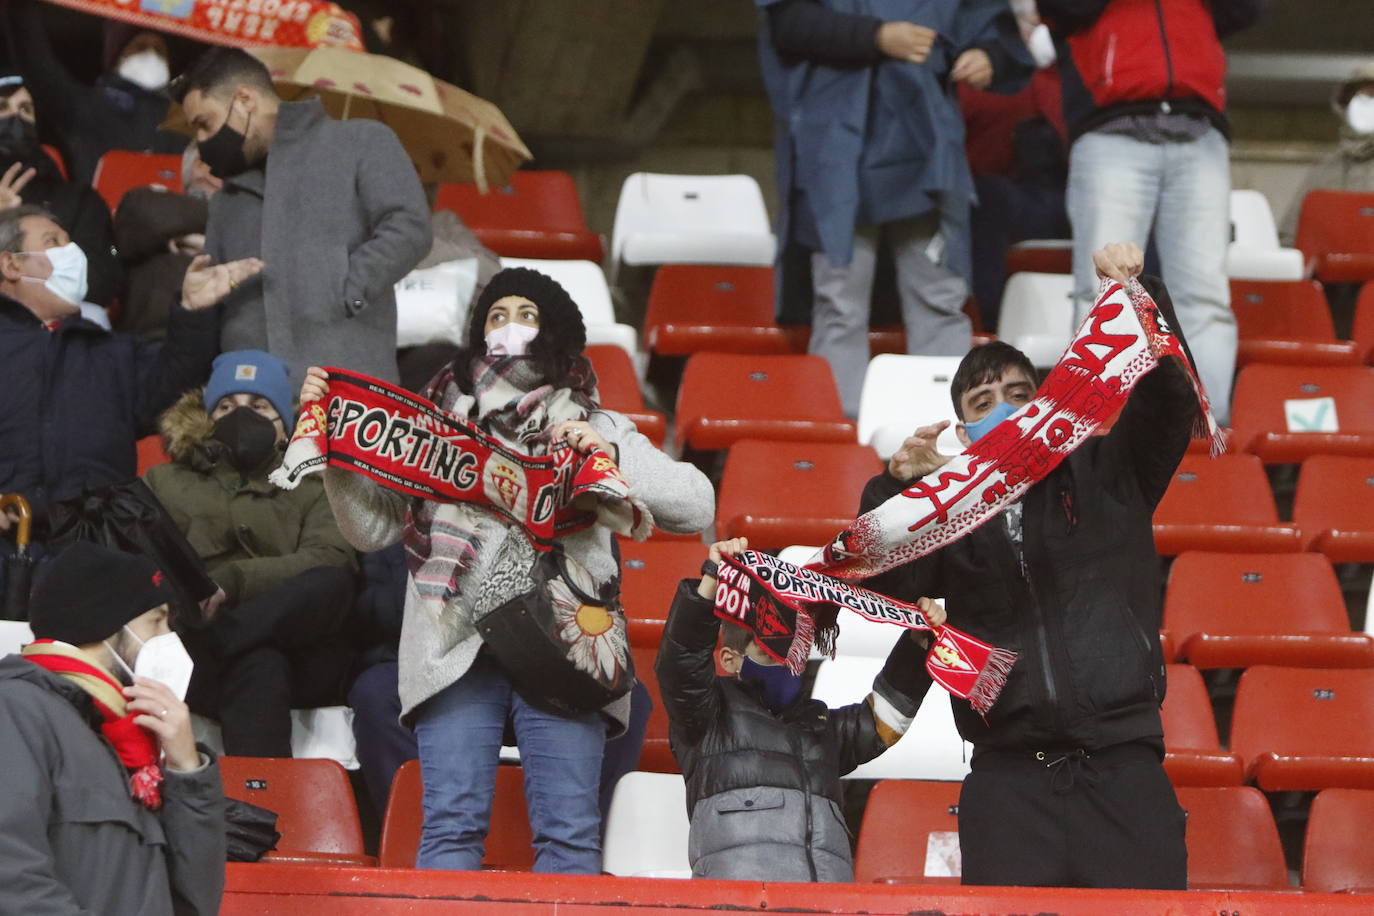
(1124, 337)
(135, 746)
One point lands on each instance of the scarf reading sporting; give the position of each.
(409, 445)
(135, 745)
(787, 608)
(1123, 337)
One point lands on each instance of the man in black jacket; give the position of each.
(1068, 786)
(75, 398)
(762, 766)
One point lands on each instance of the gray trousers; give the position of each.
(932, 301)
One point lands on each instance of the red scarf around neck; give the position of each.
(136, 747)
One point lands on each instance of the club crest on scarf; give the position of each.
(1123, 338)
(788, 609)
(408, 444)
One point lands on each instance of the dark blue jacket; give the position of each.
(869, 142)
(74, 401)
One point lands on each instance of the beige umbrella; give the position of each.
(450, 134)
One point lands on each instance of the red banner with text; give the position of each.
(242, 23)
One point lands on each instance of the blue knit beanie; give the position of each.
(252, 372)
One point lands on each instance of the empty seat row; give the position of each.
(910, 835)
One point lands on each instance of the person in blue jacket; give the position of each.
(870, 156)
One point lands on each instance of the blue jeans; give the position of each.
(459, 733)
(384, 744)
(1121, 188)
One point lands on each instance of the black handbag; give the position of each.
(129, 517)
(250, 830)
(565, 647)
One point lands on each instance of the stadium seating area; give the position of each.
(1249, 587)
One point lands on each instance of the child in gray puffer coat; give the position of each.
(763, 766)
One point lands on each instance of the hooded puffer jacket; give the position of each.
(252, 535)
(763, 789)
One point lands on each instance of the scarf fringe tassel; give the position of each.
(988, 687)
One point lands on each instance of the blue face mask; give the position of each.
(981, 428)
(780, 686)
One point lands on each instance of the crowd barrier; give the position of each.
(266, 890)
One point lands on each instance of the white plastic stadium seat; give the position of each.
(1037, 315)
(14, 635)
(646, 829)
(1254, 252)
(691, 219)
(902, 393)
(325, 732)
(931, 748)
(586, 283)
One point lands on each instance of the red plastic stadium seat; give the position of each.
(1301, 729)
(619, 390)
(509, 845)
(1334, 507)
(1336, 233)
(781, 493)
(316, 813)
(1363, 331)
(657, 755)
(726, 397)
(1233, 843)
(1262, 423)
(1040, 256)
(1337, 855)
(1287, 322)
(151, 453)
(723, 309)
(649, 575)
(537, 215)
(1233, 610)
(1221, 504)
(120, 171)
(1192, 753)
(55, 155)
(904, 818)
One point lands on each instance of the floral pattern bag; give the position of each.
(564, 644)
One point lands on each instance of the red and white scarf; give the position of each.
(1123, 337)
(136, 747)
(786, 607)
(408, 444)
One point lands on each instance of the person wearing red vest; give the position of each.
(1145, 104)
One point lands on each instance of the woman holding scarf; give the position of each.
(522, 378)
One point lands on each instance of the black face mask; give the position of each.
(223, 152)
(18, 139)
(250, 438)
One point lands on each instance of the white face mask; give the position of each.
(68, 278)
(162, 658)
(511, 340)
(1041, 46)
(1359, 114)
(147, 69)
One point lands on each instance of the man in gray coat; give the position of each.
(334, 208)
(89, 821)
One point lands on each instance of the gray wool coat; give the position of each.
(72, 839)
(338, 216)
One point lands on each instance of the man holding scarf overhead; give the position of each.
(1067, 786)
(109, 806)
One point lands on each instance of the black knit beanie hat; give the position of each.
(561, 328)
(88, 592)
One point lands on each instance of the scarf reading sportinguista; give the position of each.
(135, 746)
(1123, 337)
(408, 444)
(788, 608)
